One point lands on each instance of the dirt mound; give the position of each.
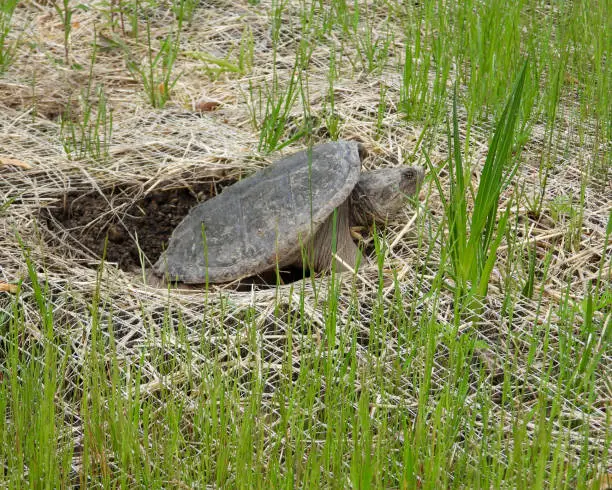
(133, 227)
(134, 231)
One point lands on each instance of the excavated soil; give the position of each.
(88, 219)
(85, 223)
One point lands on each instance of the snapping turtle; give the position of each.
(284, 216)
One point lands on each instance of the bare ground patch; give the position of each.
(113, 220)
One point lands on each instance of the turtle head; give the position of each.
(381, 194)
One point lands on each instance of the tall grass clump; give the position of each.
(8, 48)
(65, 11)
(427, 50)
(156, 71)
(270, 107)
(331, 117)
(185, 9)
(88, 136)
(31, 376)
(372, 47)
(473, 240)
(240, 64)
(88, 133)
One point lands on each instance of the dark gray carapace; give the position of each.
(269, 218)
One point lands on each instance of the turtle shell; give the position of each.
(262, 220)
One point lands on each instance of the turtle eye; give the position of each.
(411, 178)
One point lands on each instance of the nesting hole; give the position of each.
(134, 231)
(81, 222)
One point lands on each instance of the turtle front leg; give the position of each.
(320, 256)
